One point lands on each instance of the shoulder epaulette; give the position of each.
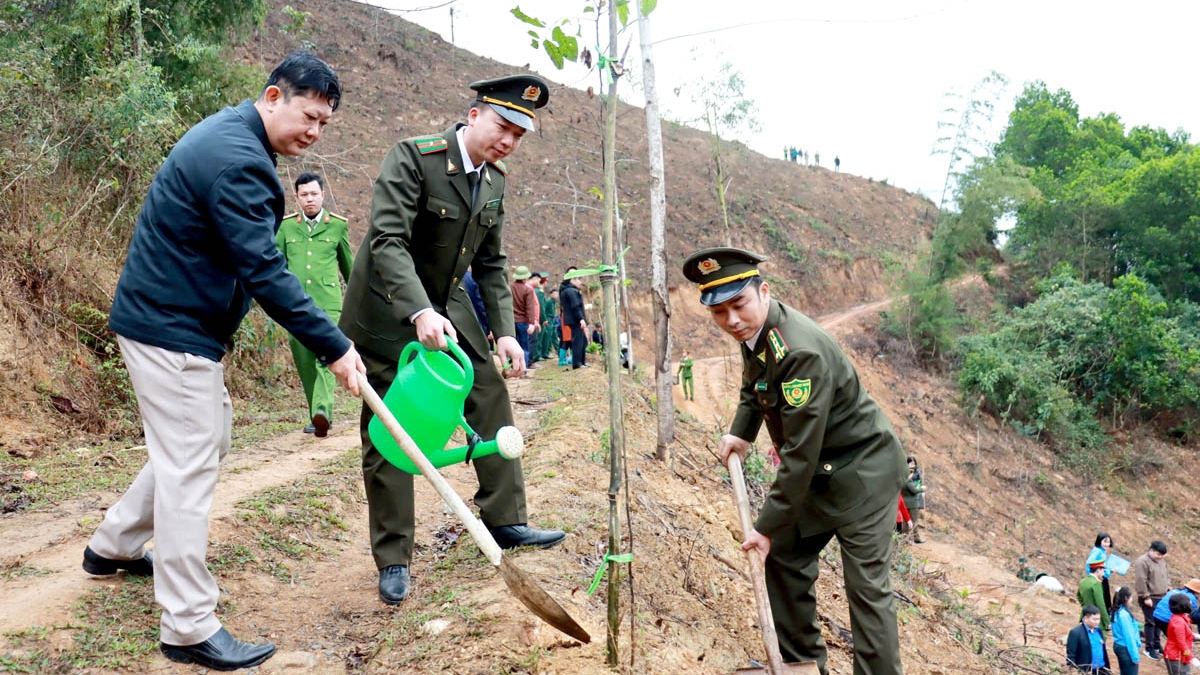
(334, 215)
(499, 164)
(291, 215)
(430, 145)
(779, 347)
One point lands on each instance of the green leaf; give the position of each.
(554, 52)
(532, 21)
(647, 6)
(534, 34)
(623, 12)
(533, 43)
(567, 45)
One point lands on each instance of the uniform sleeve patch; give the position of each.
(778, 345)
(428, 146)
(796, 392)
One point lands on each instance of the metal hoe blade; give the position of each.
(806, 668)
(539, 602)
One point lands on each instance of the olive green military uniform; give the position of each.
(538, 348)
(424, 233)
(685, 378)
(841, 472)
(316, 258)
(549, 337)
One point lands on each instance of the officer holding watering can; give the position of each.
(438, 208)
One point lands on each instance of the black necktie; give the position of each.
(473, 179)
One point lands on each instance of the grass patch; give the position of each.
(73, 468)
(292, 522)
(116, 630)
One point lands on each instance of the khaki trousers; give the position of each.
(187, 417)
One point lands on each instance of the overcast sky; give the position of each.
(867, 80)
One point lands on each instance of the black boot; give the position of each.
(94, 563)
(515, 536)
(222, 651)
(394, 581)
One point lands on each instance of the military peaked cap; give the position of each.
(721, 272)
(514, 97)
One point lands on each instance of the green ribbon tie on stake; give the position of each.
(601, 270)
(608, 557)
(603, 63)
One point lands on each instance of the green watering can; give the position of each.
(427, 399)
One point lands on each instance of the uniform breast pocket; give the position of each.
(331, 281)
(837, 485)
(444, 231)
(490, 217)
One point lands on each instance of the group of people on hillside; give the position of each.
(793, 154)
(1165, 632)
(553, 322)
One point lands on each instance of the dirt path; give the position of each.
(53, 542)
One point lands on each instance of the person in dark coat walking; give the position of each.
(574, 320)
(203, 249)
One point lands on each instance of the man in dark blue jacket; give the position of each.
(203, 248)
(1086, 651)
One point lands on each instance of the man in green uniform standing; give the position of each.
(439, 208)
(685, 376)
(316, 244)
(549, 311)
(841, 463)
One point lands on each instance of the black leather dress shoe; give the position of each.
(515, 536)
(393, 584)
(222, 651)
(94, 563)
(321, 424)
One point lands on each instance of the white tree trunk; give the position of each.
(659, 291)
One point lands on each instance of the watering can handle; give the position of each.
(464, 361)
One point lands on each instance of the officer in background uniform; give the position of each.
(316, 244)
(842, 465)
(439, 208)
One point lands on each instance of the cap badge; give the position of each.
(708, 266)
(531, 93)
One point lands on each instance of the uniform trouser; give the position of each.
(791, 575)
(1125, 663)
(524, 339)
(578, 348)
(501, 494)
(318, 382)
(689, 390)
(1150, 639)
(186, 416)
